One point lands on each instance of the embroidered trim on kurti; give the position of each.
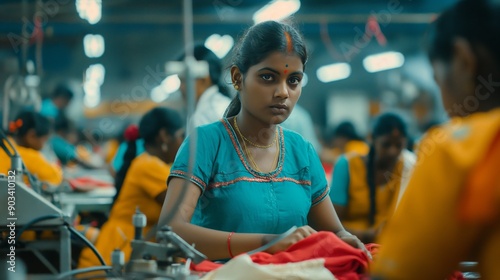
(321, 196)
(260, 180)
(192, 178)
(236, 145)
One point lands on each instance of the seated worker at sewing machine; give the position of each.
(363, 195)
(144, 185)
(252, 179)
(63, 144)
(28, 132)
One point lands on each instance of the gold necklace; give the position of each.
(250, 157)
(252, 143)
(252, 161)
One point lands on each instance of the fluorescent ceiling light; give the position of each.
(383, 61)
(171, 84)
(333, 72)
(92, 94)
(168, 86)
(220, 45)
(95, 72)
(93, 45)
(276, 10)
(90, 10)
(91, 101)
(158, 95)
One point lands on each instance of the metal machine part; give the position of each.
(28, 211)
(139, 221)
(157, 259)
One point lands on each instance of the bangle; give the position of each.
(229, 244)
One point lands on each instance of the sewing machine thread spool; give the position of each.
(117, 260)
(139, 221)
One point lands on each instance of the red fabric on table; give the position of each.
(344, 261)
(88, 184)
(341, 259)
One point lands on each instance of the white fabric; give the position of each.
(242, 268)
(209, 108)
(409, 161)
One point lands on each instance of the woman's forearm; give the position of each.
(214, 243)
(366, 236)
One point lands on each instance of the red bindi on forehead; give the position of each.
(286, 70)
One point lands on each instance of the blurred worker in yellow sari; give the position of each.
(144, 185)
(451, 209)
(365, 189)
(28, 133)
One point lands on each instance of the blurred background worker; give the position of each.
(29, 133)
(143, 185)
(57, 103)
(211, 94)
(450, 211)
(365, 188)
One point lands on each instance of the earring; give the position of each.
(236, 87)
(164, 147)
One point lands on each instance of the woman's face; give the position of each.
(35, 142)
(388, 147)
(443, 80)
(271, 88)
(457, 78)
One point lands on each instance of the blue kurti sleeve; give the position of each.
(319, 184)
(340, 182)
(64, 151)
(207, 146)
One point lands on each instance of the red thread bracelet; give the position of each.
(229, 244)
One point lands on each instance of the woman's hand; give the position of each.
(296, 236)
(353, 241)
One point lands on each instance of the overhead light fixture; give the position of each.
(220, 45)
(383, 61)
(93, 45)
(168, 86)
(171, 84)
(92, 94)
(94, 78)
(90, 10)
(158, 95)
(276, 10)
(333, 72)
(95, 72)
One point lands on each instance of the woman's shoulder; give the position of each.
(354, 160)
(464, 140)
(29, 153)
(294, 137)
(354, 156)
(212, 130)
(210, 137)
(147, 163)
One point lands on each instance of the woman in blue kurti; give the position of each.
(253, 179)
(284, 195)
